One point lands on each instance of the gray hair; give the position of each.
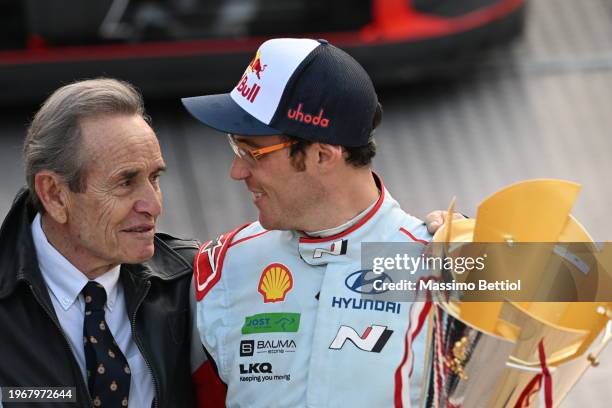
(53, 141)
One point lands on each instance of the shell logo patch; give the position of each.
(276, 280)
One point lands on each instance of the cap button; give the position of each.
(322, 41)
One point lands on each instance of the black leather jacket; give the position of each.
(34, 350)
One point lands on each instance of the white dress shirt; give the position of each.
(65, 282)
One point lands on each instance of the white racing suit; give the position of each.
(276, 312)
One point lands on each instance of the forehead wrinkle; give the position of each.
(124, 163)
(133, 156)
(113, 137)
(133, 146)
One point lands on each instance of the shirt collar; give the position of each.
(63, 279)
(337, 230)
(109, 280)
(335, 248)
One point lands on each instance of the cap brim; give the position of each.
(220, 112)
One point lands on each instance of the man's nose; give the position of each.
(240, 169)
(150, 200)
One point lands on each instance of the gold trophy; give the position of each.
(526, 349)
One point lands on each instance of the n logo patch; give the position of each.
(373, 338)
(336, 248)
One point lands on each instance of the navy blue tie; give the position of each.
(108, 372)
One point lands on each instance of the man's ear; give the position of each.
(52, 192)
(328, 155)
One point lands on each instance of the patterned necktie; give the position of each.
(108, 373)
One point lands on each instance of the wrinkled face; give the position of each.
(113, 220)
(285, 197)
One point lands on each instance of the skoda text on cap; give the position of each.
(298, 87)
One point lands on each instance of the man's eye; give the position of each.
(125, 183)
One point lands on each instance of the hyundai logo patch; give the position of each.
(363, 281)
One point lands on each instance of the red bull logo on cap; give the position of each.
(250, 93)
(256, 66)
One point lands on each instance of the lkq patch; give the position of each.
(260, 372)
(255, 368)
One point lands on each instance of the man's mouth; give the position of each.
(140, 228)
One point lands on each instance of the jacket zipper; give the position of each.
(141, 348)
(66, 342)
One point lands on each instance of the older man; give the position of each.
(276, 309)
(90, 296)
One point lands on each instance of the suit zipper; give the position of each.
(141, 348)
(66, 343)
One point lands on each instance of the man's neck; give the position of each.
(346, 198)
(57, 235)
(341, 228)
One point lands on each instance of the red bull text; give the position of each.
(249, 93)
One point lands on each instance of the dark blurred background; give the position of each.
(535, 102)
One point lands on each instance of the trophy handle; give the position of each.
(569, 374)
(593, 356)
